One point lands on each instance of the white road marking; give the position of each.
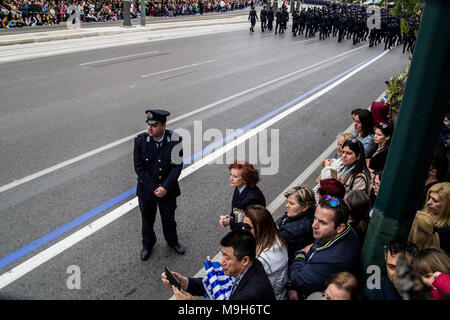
(117, 58)
(37, 260)
(280, 199)
(179, 68)
(83, 156)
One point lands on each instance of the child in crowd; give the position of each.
(433, 265)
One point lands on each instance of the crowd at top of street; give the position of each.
(23, 13)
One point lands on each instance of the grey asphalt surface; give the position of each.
(52, 109)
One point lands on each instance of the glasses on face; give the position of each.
(332, 201)
(247, 227)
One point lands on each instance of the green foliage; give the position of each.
(395, 88)
(404, 27)
(408, 7)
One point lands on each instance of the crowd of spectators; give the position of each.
(313, 250)
(22, 13)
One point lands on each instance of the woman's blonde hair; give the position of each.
(304, 195)
(431, 260)
(422, 232)
(345, 136)
(345, 281)
(443, 191)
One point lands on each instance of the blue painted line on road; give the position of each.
(5, 261)
(64, 228)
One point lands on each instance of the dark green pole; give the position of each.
(126, 13)
(422, 110)
(143, 12)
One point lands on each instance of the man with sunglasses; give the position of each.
(335, 249)
(158, 163)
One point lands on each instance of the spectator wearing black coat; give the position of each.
(243, 177)
(296, 223)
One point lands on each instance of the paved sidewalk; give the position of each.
(33, 37)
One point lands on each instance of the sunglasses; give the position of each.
(332, 201)
(247, 227)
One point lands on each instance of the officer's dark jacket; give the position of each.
(279, 16)
(254, 285)
(263, 14)
(247, 197)
(296, 231)
(157, 167)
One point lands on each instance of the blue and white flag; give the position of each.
(217, 285)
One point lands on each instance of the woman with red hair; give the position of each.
(243, 177)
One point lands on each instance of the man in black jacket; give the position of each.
(250, 281)
(158, 164)
(270, 17)
(252, 16)
(278, 21)
(263, 17)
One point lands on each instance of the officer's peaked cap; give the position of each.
(156, 115)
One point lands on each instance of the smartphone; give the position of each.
(172, 279)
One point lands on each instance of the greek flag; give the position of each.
(217, 285)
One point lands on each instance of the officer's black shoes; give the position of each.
(178, 248)
(145, 254)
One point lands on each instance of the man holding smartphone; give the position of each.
(158, 164)
(250, 281)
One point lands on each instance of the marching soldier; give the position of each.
(270, 17)
(295, 20)
(158, 164)
(279, 19)
(263, 17)
(284, 21)
(252, 16)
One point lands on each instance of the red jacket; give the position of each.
(442, 286)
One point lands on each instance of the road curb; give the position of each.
(36, 39)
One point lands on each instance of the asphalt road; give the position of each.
(53, 109)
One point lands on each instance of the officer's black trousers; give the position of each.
(278, 27)
(295, 28)
(167, 208)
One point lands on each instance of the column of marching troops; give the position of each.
(342, 22)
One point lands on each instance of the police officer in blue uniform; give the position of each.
(158, 163)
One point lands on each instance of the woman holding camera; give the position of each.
(243, 177)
